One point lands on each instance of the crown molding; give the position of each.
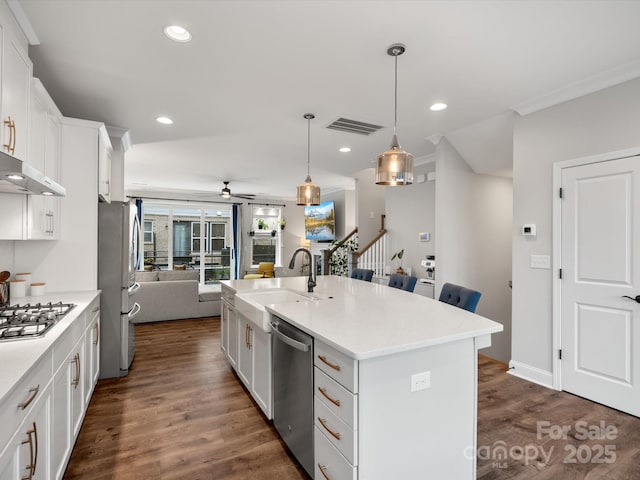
(592, 84)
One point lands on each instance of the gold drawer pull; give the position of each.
(322, 471)
(326, 395)
(335, 435)
(97, 333)
(332, 365)
(34, 393)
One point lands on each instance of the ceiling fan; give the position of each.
(226, 193)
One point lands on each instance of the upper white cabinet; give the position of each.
(16, 85)
(43, 212)
(104, 166)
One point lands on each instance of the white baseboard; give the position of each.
(531, 374)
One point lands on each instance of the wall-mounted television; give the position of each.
(320, 222)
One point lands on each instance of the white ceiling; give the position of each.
(238, 92)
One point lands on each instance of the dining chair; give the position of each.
(362, 274)
(460, 297)
(403, 282)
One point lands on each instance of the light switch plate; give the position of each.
(540, 261)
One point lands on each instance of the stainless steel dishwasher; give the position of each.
(292, 351)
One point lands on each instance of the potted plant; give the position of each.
(283, 222)
(398, 256)
(262, 225)
(273, 233)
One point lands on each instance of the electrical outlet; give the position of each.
(420, 381)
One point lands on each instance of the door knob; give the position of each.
(637, 297)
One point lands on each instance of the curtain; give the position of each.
(237, 239)
(140, 240)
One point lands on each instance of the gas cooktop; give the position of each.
(19, 322)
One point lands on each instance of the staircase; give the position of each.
(372, 256)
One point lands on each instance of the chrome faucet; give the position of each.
(312, 270)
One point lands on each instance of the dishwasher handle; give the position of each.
(303, 347)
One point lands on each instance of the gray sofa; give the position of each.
(173, 295)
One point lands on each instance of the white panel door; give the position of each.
(600, 265)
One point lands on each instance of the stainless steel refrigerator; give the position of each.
(118, 257)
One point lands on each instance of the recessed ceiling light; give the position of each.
(47, 193)
(436, 107)
(345, 149)
(164, 120)
(177, 33)
(15, 176)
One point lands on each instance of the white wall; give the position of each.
(491, 216)
(602, 122)
(71, 263)
(411, 210)
(7, 256)
(454, 249)
(370, 204)
(473, 243)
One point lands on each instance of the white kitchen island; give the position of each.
(373, 345)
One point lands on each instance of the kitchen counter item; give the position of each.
(4, 287)
(18, 288)
(26, 276)
(37, 289)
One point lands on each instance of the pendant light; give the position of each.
(308, 193)
(395, 166)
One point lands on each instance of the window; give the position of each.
(188, 236)
(148, 232)
(266, 236)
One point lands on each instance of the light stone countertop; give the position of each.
(366, 320)
(18, 357)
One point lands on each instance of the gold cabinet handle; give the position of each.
(323, 391)
(33, 458)
(97, 333)
(13, 127)
(76, 360)
(332, 365)
(335, 435)
(34, 393)
(8, 146)
(322, 471)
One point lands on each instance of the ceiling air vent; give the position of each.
(353, 126)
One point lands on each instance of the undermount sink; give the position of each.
(252, 304)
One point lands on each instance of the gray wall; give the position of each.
(602, 122)
(370, 204)
(473, 246)
(410, 211)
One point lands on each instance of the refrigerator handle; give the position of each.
(133, 288)
(138, 245)
(134, 311)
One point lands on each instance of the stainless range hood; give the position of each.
(17, 176)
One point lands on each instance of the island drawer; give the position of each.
(341, 435)
(329, 462)
(338, 399)
(26, 394)
(337, 365)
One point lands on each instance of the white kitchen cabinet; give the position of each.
(25, 418)
(16, 84)
(43, 212)
(73, 384)
(254, 362)
(105, 151)
(229, 327)
(92, 348)
(261, 381)
(245, 353)
(26, 457)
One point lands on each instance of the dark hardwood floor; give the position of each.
(183, 414)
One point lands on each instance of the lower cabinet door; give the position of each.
(245, 351)
(329, 462)
(26, 457)
(261, 387)
(232, 350)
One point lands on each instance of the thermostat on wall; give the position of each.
(529, 230)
